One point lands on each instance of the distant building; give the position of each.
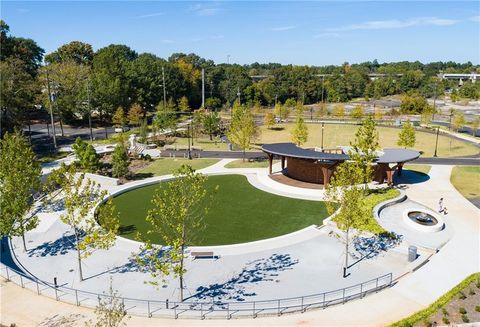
(460, 77)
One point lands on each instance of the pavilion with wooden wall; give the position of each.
(318, 167)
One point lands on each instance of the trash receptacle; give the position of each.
(412, 253)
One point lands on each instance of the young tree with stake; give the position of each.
(406, 137)
(20, 175)
(178, 217)
(344, 191)
(242, 127)
(81, 196)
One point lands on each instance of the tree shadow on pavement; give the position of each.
(261, 270)
(60, 246)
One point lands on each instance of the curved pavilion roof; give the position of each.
(293, 151)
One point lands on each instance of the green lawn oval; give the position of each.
(239, 213)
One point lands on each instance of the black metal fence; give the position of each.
(201, 309)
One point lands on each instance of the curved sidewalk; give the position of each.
(457, 259)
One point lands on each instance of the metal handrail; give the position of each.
(202, 309)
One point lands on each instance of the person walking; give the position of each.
(440, 205)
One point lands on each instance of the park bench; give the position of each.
(205, 254)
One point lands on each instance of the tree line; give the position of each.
(77, 83)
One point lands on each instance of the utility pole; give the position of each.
(203, 88)
(323, 78)
(164, 91)
(89, 111)
(228, 59)
(238, 94)
(436, 142)
(434, 101)
(51, 111)
(189, 136)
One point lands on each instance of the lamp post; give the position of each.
(193, 125)
(434, 102)
(323, 127)
(50, 102)
(189, 150)
(436, 141)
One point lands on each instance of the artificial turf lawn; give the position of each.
(239, 213)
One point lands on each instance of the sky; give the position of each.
(243, 32)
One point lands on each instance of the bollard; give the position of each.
(76, 298)
(166, 303)
(55, 282)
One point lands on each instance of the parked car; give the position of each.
(122, 129)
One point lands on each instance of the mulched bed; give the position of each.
(468, 299)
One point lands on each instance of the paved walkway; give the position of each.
(457, 259)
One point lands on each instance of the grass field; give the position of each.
(343, 134)
(466, 180)
(165, 166)
(240, 212)
(204, 143)
(249, 164)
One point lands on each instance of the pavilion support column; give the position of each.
(327, 173)
(270, 162)
(400, 168)
(283, 162)
(390, 177)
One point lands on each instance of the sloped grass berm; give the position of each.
(238, 213)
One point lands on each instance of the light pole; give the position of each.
(164, 91)
(323, 127)
(193, 134)
(189, 150)
(434, 101)
(436, 141)
(89, 111)
(51, 111)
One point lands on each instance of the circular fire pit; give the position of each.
(423, 220)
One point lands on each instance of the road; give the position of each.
(42, 142)
(474, 161)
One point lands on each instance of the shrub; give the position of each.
(120, 161)
(462, 310)
(90, 161)
(427, 323)
(478, 283)
(79, 148)
(444, 312)
(471, 292)
(147, 157)
(446, 321)
(462, 296)
(465, 318)
(87, 157)
(477, 308)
